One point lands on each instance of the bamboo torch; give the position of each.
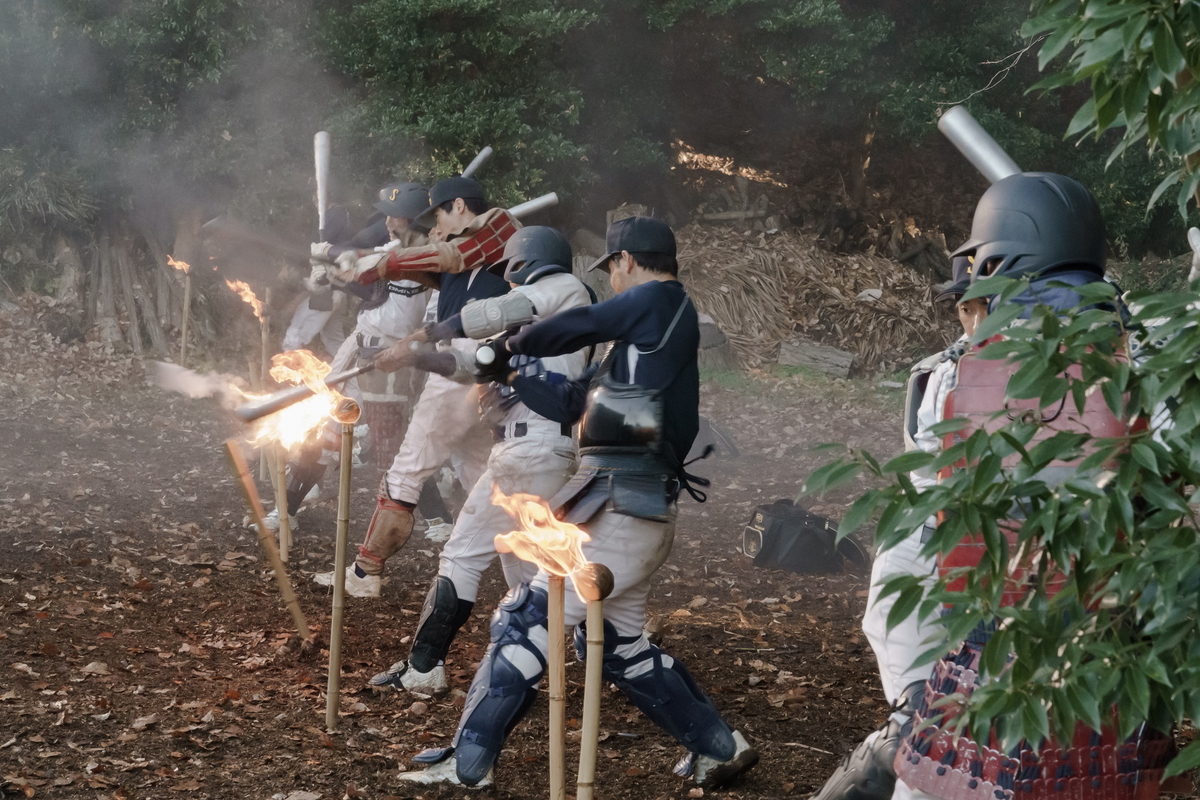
(593, 582)
(242, 472)
(347, 414)
(557, 665)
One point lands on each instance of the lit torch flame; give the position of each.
(294, 424)
(543, 539)
(243, 290)
(180, 265)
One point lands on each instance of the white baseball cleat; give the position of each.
(402, 677)
(356, 586)
(272, 522)
(708, 772)
(442, 772)
(438, 530)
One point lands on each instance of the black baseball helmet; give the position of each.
(960, 280)
(403, 200)
(532, 253)
(1035, 222)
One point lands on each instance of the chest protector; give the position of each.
(625, 414)
(979, 392)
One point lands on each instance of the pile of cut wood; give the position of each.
(768, 290)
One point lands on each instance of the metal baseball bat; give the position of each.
(257, 409)
(478, 161)
(321, 159)
(965, 132)
(534, 205)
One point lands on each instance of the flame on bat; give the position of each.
(243, 290)
(179, 265)
(296, 423)
(542, 539)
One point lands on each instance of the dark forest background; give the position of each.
(128, 122)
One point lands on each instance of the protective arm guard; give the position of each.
(484, 318)
(481, 242)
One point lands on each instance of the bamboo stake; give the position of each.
(558, 689)
(594, 583)
(256, 383)
(264, 326)
(270, 455)
(349, 411)
(285, 513)
(187, 312)
(242, 471)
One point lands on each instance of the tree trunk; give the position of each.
(106, 299)
(124, 269)
(71, 284)
(145, 303)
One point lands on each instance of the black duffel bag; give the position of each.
(783, 535)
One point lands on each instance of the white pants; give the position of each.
(343, 357)
(897, 649)
(538, 464)
(633, 549)
(307, 323)
(445, 424)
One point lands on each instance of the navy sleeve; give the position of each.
(555, 397)
(578, 328)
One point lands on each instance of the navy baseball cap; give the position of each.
(404, 200)
(636, 235)
(959, 282)
(448, 189)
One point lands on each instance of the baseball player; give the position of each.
(445, 423)
(624, 496)
(532, 454)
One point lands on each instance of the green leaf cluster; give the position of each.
(1139, 58)
(1106, 528)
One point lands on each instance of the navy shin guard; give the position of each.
(504, 688)
(665, 692)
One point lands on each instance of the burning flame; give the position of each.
(244, 291)
(294, 424)
(181, 265)
(543, 539)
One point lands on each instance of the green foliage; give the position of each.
(32, 194)
(456, 75)
(1119, 523)
(1139, 59)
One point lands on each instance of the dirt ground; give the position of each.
(142, 648)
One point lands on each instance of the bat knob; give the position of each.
(348, 411)
(485, 355)
(593, 581)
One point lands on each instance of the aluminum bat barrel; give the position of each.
(534, 205)
(257, 409)
(478, 161)
(976, 144)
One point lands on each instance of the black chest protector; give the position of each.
(624, 414)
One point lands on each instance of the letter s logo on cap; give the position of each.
(394, 193)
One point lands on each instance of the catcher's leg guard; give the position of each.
(868, 772)
(441, 618)
(430, 503)
(505, 684)
(389, 530)
(306, 473)
(663, 690)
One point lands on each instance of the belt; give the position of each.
(515, 430)
(369, 341)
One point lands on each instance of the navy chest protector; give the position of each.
(620, 448)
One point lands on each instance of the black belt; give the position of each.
(369, 341)
(522, 429)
